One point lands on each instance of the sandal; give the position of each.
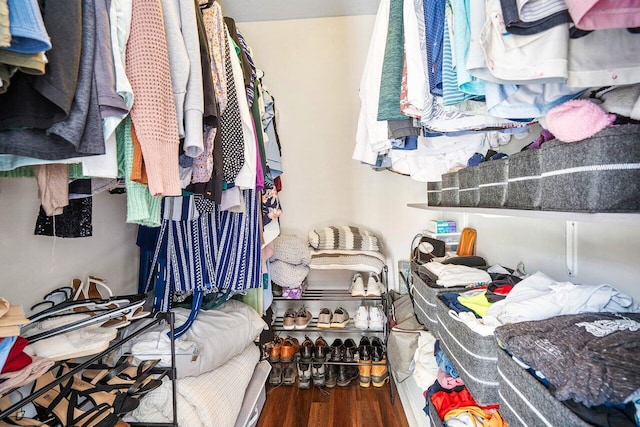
(134, 380)
(17, 418)
(61, 403)
(97, 316)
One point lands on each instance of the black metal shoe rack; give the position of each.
(335, 295)
(169, 372)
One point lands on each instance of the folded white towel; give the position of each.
(457, 275)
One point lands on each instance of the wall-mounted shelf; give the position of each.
(619, 218)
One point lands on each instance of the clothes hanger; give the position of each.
(206, 5)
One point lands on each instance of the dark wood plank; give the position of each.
(353, 405)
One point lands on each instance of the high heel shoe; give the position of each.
(17, 418)
(61, 404)
(133, 380)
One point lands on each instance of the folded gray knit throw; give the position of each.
(288, 275)
(344, 237)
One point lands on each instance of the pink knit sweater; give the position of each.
(153, 112)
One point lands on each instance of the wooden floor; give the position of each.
(287, 406)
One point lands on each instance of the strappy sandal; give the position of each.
(122, 377)
(18, 417)
(62, 404)
(99, 316)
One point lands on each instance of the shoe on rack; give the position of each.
(337, 348)
(274, 347)
(374, 286)
(362, 318)
(377, 349)
(290, 347)
(320, 350)
(60, 403)
(377, 318)
(364, 367)
(289, 319)
(357, 286)
(379, 372)
(324, 318)
(275, 376)
(290, 373)
(304, 375)
(306, 350)
(331, 376)
(318, 374)
(340, 318)
(350, 349)
(346, 374)
(303, 318)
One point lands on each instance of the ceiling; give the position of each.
(278, 10)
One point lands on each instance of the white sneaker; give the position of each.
(362, 318)
(374, 287)
(377, 318)
(357, 286)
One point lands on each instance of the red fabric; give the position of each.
(278, 184)
(17, 359)
(445, 402)
(503, 290)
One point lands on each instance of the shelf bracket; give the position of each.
(571, 248)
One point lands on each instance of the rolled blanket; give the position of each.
(288, 275)
(292, 249)
(344, 237)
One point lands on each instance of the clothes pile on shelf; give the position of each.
(467, 321)
(289, 265)
(17, 367)
(346, 247)
(589, 361)
(446, 81)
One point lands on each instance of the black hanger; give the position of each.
(206, 5)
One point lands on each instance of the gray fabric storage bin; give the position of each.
(434, 418)
(424, 303)
(492, 183)
(468, 194)
(425, 294)
(473, 355)
(434, 193)
(525, 401)
(523, 188)
(598, 174)
(450, 188)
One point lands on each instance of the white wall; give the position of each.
(30, 265)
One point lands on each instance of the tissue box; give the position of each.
(441, 226)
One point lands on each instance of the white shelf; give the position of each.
(619, 218)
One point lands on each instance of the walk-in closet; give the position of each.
(339, 213)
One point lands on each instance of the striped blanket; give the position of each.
(345, 238)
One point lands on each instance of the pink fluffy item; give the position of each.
(577, 119)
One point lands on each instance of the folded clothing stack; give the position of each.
(290, 261)
(16, 367)
(346, 247)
